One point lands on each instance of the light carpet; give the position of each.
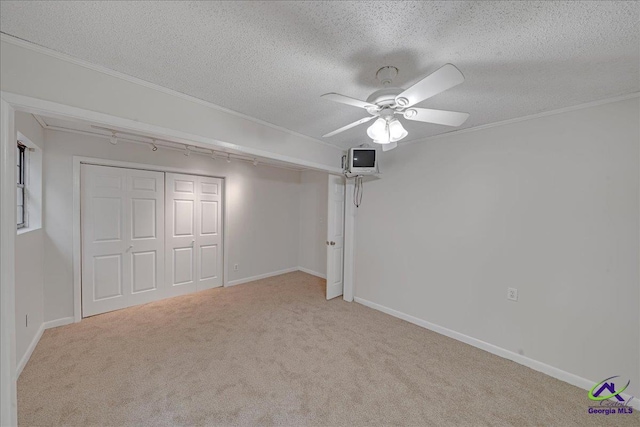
(275, 352)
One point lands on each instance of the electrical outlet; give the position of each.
(235, 267)
(512, 294)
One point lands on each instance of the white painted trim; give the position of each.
(524, 118)
(261, 276)
(41, 122)
(313, 273)
(77, 233)
(48, 108)
(36, 339)
(8, 377)
(104, 70)
(58, 322)
(559, 374)
(350, 211)
(225, 233)
(142, 166)
(29, 352)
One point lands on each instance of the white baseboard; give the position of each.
(58, 322)
(29, 352)
(313, 273)
(556, 373)
(36, 339)
(260, 276)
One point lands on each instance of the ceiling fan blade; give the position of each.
(336, 97)
(349, 126)
(440, 80)
(389, 146)
(440, 117)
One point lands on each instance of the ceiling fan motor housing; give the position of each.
(385, 97)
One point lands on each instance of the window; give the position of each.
(21, 198)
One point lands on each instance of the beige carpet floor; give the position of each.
(275, 352)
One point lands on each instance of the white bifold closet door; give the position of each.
(122, 217)
(193, 249)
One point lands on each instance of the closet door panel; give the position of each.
(122, 226)
(104, 239)
(209, 233)
(146, 225)
(181, 221)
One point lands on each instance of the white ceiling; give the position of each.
(273, 60)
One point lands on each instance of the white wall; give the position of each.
(262, 201)
(549, 206)
(312, 255)
(26, 69)
(29, 291)
(29, 246)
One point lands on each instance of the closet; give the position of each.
(147, 235)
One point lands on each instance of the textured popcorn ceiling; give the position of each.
(273, 60)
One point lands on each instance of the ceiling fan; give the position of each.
(390, 101)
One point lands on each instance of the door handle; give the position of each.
(129, 248)
(332, 243)
(193, 242)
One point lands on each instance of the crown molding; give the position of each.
(135, 80)
(525, 118)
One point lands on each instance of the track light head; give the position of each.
(153, 145)
(187, 151)
(228, 158)
(213, 155)
(114, 139)
(255, 162)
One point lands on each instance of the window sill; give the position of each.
(26, 230)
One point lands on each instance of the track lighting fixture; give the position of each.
(152, 142)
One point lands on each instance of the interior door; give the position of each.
(194, 233)
(209, 233)
(181, 219)
(145, 204)
(335, 236)
(122, 237)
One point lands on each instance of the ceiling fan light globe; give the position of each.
(378, 130)
(396, 131)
